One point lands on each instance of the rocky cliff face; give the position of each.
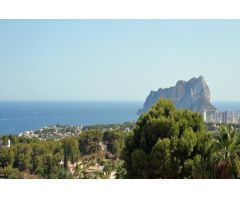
(193, 95)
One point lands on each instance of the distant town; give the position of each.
(58, 131)
(212, 116)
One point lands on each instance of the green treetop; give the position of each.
(168, 143)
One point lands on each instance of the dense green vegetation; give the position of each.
(165, 143)
(33, 158)
(89, 142)
(171, 143)
(115, 142)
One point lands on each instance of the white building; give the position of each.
(9, 144)
(205, 115)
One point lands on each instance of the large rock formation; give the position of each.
(193, 95)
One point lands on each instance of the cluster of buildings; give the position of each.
(52, 132)
(221, 117)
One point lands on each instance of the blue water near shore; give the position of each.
(19, 116)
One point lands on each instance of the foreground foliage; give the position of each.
(88, 155)
(171, 143)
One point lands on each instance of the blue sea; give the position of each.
(19, 116)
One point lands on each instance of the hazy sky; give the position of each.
(116, 59)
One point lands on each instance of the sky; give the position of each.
(118, 60)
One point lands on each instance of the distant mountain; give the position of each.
(193, 95)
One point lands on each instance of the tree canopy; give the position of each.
(168, 143)
(89, 142)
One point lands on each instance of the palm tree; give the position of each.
(227, 149)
